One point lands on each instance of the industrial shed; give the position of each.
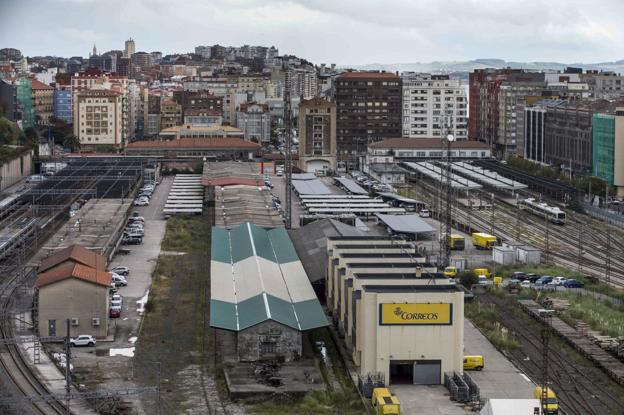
(260, 290)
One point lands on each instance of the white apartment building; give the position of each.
(99, 118)
(433, 103)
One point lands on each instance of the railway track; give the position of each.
(50, 203)
(580, 392)
(510, 223)
(14, 365)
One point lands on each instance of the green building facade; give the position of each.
(25, 102)
(603, 146)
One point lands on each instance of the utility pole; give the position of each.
(608, 258)
(288, 158)
(580, 248)
(67, 367)
(546, 317)
(546, 240)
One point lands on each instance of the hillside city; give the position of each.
(239, 230)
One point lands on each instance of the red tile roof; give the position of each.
(74, 270)
(75, 253)
(368, 74)
(216, 143)
(231, 181)
(38, 85)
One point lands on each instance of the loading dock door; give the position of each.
(401, 372)
(427, 372)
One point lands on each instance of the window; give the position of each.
(268, 348)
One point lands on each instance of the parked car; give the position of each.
(83, 340)
(543, 280)
(135, 225)
(131, 240)
(572, 283)
(116, 297)
(136, 219)
(134, 233)
(118, 280)
(532, 277)
(116, 303)
(518, 275)
(525, 284)
(135, 215)
(424, 213)
(114, 312)
(557, 281)
(141, 202)
(120, 270)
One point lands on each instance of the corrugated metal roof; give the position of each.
(256, 276)
(351, 186)
(311, 187)
(405, 223)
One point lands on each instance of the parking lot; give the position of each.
(141, 259)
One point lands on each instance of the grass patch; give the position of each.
(506, 271)
(486, 320)
(173, 331)
(600, 315)
(186, 233)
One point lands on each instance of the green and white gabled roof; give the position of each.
(256, 275)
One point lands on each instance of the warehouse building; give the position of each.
(402, 321)
(260, 291)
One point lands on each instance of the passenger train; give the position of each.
(552, 213)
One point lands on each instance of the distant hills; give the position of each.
(469, 66)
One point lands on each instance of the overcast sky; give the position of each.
(331, 31)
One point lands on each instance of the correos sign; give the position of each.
(415, 314)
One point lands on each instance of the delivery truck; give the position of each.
(484, 241)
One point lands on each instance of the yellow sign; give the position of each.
(415, 314)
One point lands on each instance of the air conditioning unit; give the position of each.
(75, 321)
(95, 321)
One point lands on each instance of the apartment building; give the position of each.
(170, 114)
(43, 101)
(368, 110)
(98, 117)
(434, 106)
(317, 135)
(255, 121)
(494, 95)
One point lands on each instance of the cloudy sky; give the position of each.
(332, 31)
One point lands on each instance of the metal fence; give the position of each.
(609, 217)
(461, 387)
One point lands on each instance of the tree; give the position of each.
(71, 141)
(9, 132)
(468, 278)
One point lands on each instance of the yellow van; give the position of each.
(384, 402)
(482, 271)
(552, 404)
(473, 363)
(450, 271)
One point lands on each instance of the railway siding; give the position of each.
(611, 365)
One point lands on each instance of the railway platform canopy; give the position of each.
(486, 177)
(436, 173)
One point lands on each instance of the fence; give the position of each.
(461, 387)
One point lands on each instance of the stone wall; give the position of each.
(269, 340)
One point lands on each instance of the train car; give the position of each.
(552, 213)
